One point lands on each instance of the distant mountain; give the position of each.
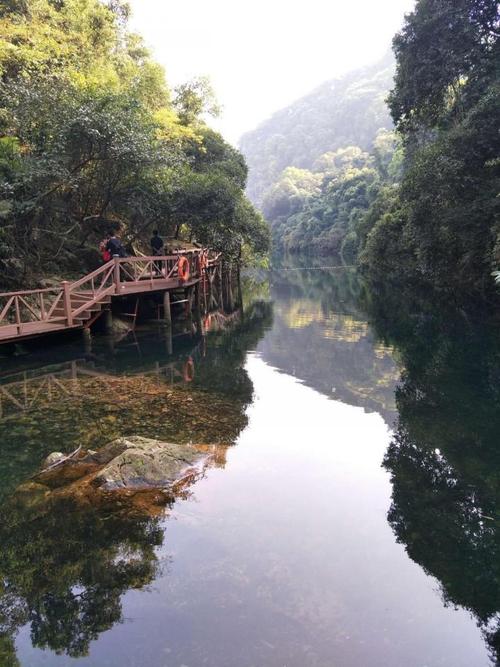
(347, 111)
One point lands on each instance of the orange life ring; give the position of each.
(188, 370)
(183, 269)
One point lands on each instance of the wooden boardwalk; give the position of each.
(77, 305)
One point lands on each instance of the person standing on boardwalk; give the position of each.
(157, 246)
(114, 246)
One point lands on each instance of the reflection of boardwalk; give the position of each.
(23, 392)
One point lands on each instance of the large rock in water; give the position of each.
(126, 463)
(131, 474)
(136, 462)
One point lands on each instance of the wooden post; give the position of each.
(116, 279)
(108, 321)
(222, 300)
(197, 308)
(188, 306)
(211, 298)
(43, 313)
(167, 312)
(67, 303)
(204, 283)
(87, 340)
(189, 296)
(18, 316)
(169, 341)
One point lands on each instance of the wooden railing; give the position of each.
(64, 304)
(31, 306)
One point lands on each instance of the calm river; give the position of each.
(350, 519)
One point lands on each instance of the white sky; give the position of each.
(264, 54)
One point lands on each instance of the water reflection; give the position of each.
(64, 570)
(137, 389)
(64, 567)
(287, 556)
(444, 457)
(321, 336)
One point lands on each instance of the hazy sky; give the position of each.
(262, 55)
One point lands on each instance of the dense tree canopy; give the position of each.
(91, 137)
(422, 206)
(442, 226)
(446, 54)
(324, 211)
(317, 166)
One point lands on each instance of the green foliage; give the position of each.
(317, 166)
(65, 563)
(289, 195)
(446, 53)
(90, 139)
(72, 593)
(194, 99)
(442, 229)
(324, 212)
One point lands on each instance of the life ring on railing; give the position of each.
(183, 269)
(188, 370)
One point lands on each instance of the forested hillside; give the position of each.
(420, 203)
(441, 227)
(93, 138)
(316, 166)
(328, 210)
(343, 112)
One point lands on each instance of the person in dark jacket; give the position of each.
(157, 247)
(114, 246)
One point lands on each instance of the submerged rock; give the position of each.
(125, 463)
(144, 463)
(136, 471)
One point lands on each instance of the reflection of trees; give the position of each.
(444, 458)
(64, 571)
(321, 336)
(300, 276)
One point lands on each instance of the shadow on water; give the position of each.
(64, 568)
(444, 457)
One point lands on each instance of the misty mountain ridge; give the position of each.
(345, 111)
